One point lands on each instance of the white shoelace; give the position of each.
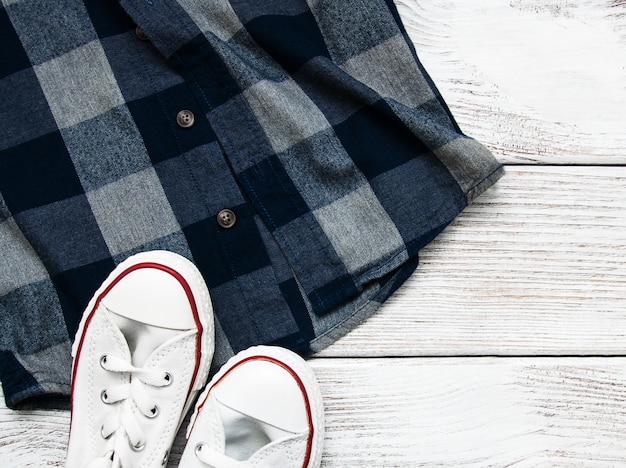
(123, 398)
(217, 460)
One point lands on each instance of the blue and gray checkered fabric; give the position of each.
(314, 123)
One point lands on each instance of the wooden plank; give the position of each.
(471, 412)
(536, 267)
(535, 80)
(32, 438)
(474, 412)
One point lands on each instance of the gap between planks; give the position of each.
(472, 412)
(537, 266)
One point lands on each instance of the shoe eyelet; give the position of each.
(199, 447)
(105, 437)
(154, 412)
(103, 361)
(137, 447)
(168, 378)
(104, 396)
(165, 457)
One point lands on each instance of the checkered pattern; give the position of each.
(314, 122)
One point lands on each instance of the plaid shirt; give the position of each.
(312, 122)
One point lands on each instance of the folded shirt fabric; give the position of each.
(296, 151)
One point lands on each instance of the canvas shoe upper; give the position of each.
(141, 354)
(262, 409)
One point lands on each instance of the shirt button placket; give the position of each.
(185, 118)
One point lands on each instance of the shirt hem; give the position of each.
(365, 310)
(485, 183)
(43, 395)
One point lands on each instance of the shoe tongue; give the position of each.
(244, 435)
(142, 339)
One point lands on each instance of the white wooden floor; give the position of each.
(508, 347)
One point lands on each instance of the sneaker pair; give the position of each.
(142, 355)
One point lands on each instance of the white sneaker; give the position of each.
(141, 355)
(262, 409)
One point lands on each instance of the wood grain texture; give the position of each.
(457, 412)
(474, 412)
(537, 81)
(536, 266)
